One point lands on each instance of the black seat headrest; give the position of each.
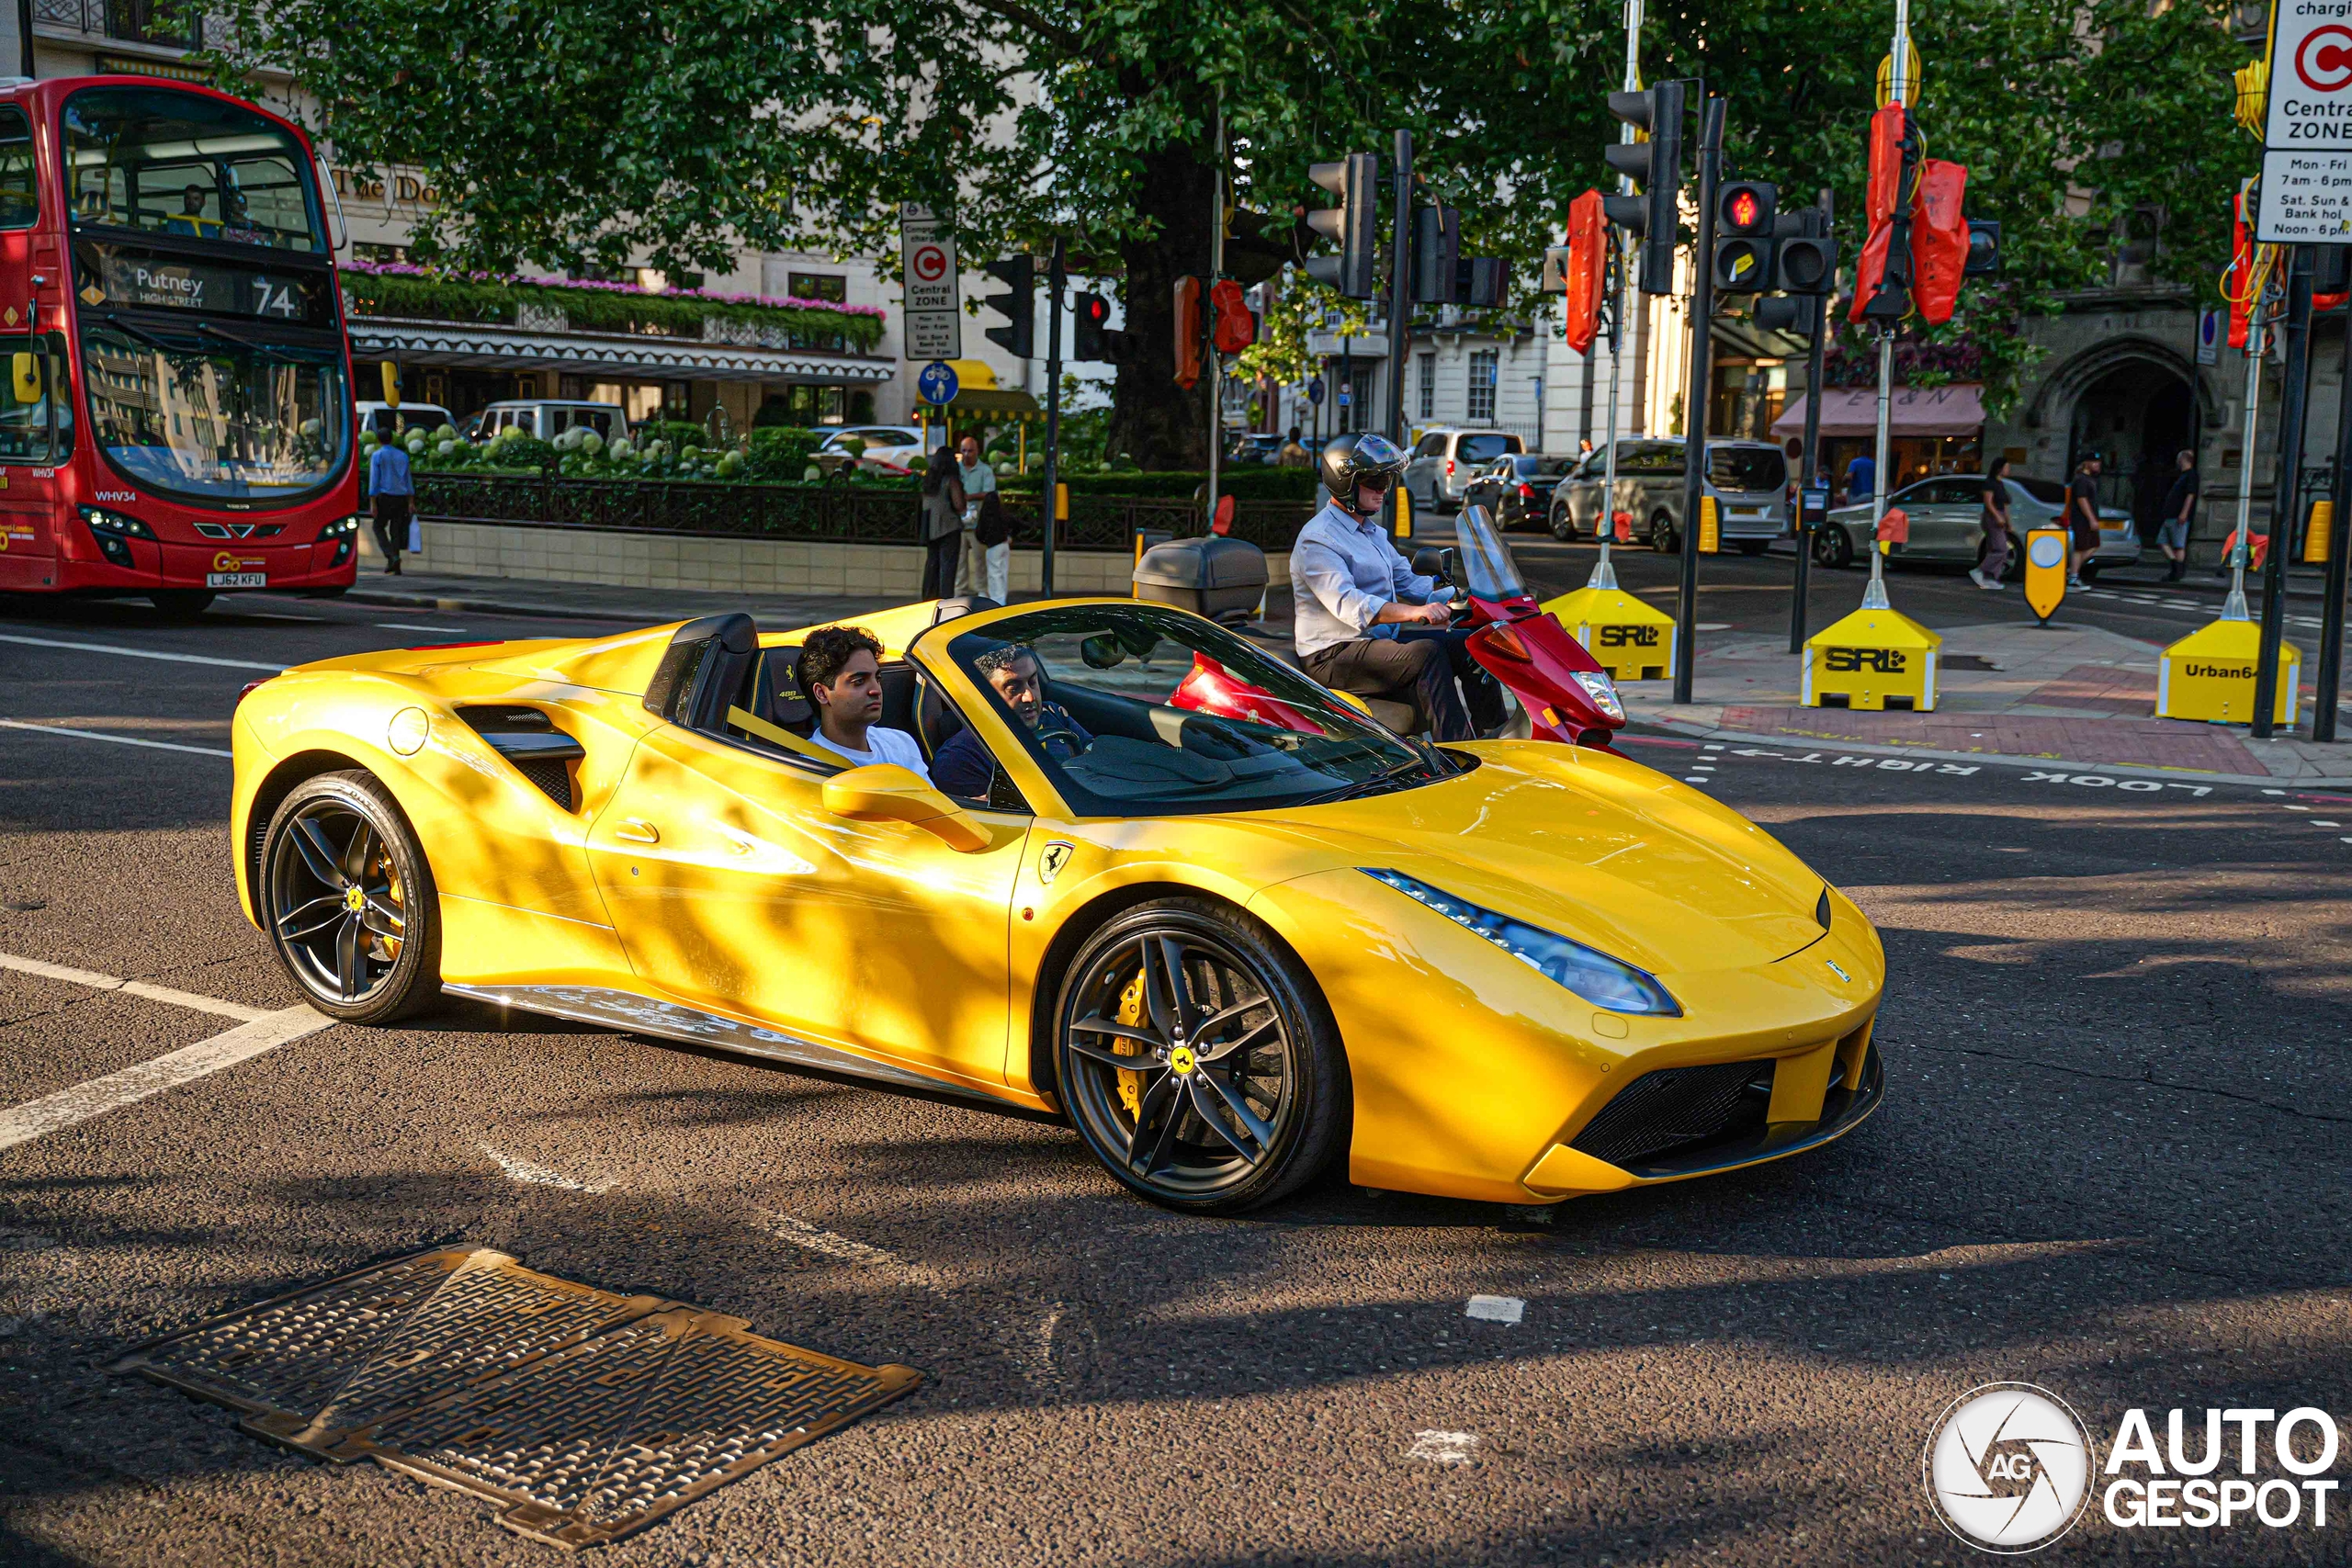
(705, 661)
(786, 703)
(937, 720)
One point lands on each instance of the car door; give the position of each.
(733, 889)
(1930, 510)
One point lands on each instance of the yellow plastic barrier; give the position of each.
(2209, 675)
(2317, 536)
(1632, 641)
(2045, 571)
(1711, 532)
(1872, 658)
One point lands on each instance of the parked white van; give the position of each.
(548, 418)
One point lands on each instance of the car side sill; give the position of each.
(634, 1014)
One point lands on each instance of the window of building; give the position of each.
(380, 255)
(1482, 385)
(1427, 370)
(828, 285)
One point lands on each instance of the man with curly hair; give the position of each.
(841, 668)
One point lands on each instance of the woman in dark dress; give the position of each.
(1994, 520)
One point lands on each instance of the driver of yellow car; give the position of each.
(964, 766)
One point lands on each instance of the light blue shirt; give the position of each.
(388, 472)
(1342, 572)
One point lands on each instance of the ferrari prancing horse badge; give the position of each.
(1050, 863)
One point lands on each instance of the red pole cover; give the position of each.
(1587, 270)
(1886, 187)
(1940, 240)
(2238, 282)
(1235, 329)
(1188, 332)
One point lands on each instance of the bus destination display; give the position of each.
(214, 287)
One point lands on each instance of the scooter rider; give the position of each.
(1364, 621)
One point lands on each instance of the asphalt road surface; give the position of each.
(2112, 1162)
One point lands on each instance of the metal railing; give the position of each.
(838, 514)
(129, 21)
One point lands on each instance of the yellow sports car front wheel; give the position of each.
(1197, 1059)
(349, 900)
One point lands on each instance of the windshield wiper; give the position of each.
(1366, 786)
(130, 328)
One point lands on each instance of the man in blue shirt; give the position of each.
(1364, 620)
(389, 482)
(964, 766)
(1862, 479)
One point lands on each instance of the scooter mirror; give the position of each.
(1431, 560)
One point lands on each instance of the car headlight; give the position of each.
(102, 520)
(1602, 691)
(1603, 981)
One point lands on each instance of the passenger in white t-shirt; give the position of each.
(841, 668)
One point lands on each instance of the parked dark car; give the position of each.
(1518, 488)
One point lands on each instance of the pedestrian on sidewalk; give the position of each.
(943, 516)
(2082, 518)
(1994, 520)
(976, 480)
(394, 492)
(2180, 511)
(1861, 479)
(1293, 455)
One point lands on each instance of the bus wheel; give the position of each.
(180, 604)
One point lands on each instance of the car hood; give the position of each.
(1592, 846)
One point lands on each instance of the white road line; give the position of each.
(69, 1107)
(1444, 1448)
(136, 987)
(1496, 1309)
(143, 653)
(405, 626)
(518, 1170)
(117, 739)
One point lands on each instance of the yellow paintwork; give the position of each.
(703, 873)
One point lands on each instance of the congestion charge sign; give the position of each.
(2307, 157)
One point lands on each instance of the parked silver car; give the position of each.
(1443, 460)
(1749, 480)
(1944, 514)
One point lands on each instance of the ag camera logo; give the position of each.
(2008, 1468)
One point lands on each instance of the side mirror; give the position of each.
(1102, 653)
(888, 793)
(1431, 560)
(1355, 702)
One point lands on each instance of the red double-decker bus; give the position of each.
(176, 412)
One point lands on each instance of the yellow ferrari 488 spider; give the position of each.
(1218, 917)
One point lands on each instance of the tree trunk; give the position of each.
(1159, 423)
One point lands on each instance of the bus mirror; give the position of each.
(25, 372)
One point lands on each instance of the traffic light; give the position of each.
(1233, 326)
(1018, 336)
(1804, 261)
(1656, 166)
(1351, 223)
(1482, 281)
(1437, 250)
(1797, 314)
(1091, 338)
(1983, 247)
(1743, 236)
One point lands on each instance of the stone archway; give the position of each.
(2128, 399)
(2053, 400)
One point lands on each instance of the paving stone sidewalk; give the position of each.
(2013, 692)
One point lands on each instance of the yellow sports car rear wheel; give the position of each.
(1222, 1087)
(349, 900)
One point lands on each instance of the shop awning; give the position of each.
(1913, 410)
(493, 346)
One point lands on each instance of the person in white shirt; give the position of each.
(973, 567)
(841, 668)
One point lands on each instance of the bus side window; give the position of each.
(18, 208)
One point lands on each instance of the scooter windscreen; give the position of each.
(1482, 561)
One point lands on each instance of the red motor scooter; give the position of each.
(1563, 692)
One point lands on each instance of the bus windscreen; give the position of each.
(204, 419)
(174, 162)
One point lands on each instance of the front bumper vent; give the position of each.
(1665, 1109)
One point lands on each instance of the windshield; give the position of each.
(1542, 467)
(1485, 449)
(1146, 711)
(175, 163)
(1746, 468)
(1482, 562)
(209, 420)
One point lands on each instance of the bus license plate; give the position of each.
(236, 579)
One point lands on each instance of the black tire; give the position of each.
(1833, 546)
(371, 961)
(1753, 546)
(1563, 522)
(1265, 1017)
(180, 604)
(1663, 538)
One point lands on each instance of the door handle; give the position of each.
(637, 830)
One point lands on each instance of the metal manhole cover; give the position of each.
(588, 1415)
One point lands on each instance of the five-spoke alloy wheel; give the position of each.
(349, 900)
(1197, 1060)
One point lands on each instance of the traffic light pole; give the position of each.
(1898, 85)
(1694, 398)
(1056, 274)
(1216, 269)
(1400, 283)
(1604, 575)
(1811, 460)
(2331, 615)
(2282, 506)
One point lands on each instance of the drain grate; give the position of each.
(587, 1415)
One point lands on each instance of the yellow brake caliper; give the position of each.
(1131, 1014)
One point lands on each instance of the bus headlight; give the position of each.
(120, 524)
(339, 528)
